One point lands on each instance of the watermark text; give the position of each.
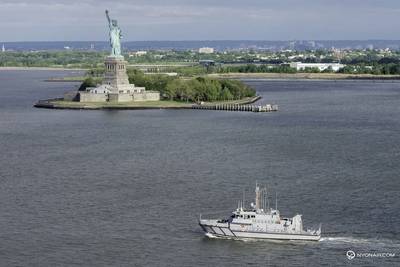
(350, 254)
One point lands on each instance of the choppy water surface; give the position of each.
(124, 188)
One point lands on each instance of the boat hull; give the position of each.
(221, 231)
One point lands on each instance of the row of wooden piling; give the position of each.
(238, 107)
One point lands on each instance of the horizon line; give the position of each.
(211, 40)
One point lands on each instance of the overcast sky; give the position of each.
(75, 20)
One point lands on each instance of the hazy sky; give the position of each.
(70, 20)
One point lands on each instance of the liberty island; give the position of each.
(114, 91)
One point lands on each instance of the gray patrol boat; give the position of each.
(260, 222)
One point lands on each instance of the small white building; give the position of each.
(206, 50)
(138, 53)
(321, 66)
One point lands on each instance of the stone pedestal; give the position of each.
(115, 74)
(116, 87)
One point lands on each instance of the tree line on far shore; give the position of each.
(181, 89)
(361, 68)
(371, 63)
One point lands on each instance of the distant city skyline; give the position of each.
(72, 20)
(216, 45)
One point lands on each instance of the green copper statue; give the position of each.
(115, 36)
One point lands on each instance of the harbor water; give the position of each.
(125, 188)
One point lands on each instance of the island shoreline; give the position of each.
(57, 103)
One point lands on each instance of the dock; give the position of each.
(238, 107)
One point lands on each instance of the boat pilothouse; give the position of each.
(259, 221)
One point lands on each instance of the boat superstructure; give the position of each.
(259, 221)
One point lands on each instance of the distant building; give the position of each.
(206, 50)
(321, 66)
(3, 49)
(137, 53)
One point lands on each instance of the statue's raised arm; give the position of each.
(108, 18)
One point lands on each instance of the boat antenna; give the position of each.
(266, 192)
(243, 203)
(276, 200)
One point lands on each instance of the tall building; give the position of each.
(3, 49)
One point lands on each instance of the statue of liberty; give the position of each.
(115, 36)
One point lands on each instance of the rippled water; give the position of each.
(124, 188)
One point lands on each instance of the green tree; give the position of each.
(88, 82)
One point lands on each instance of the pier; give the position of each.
(238, 107)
